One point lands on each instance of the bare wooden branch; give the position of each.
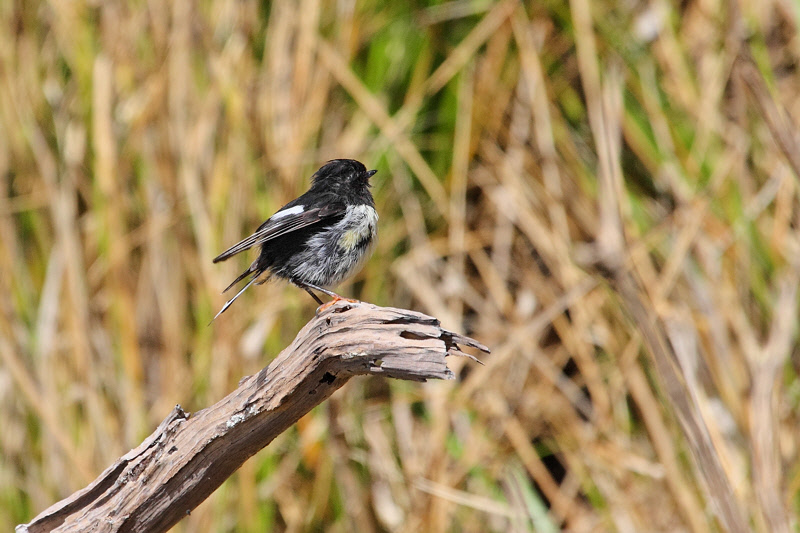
(189, 455)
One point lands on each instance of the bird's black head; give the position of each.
(342, 175)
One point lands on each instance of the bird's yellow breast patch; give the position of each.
(364, 221)
(350, 239)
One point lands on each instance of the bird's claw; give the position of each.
(324, 307)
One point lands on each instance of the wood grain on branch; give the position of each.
(189, 455)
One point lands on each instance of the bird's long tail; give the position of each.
(251, 270)
(255, 273)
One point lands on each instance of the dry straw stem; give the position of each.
(641, 306)
(611, 250)
(189, 455)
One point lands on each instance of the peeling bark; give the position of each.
(191, 454)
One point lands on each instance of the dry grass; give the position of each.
(607, 196)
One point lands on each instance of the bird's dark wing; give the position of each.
(289, 218)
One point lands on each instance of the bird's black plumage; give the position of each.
(319, 239)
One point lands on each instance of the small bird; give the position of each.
(319, 239)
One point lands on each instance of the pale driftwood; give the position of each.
(189, 455)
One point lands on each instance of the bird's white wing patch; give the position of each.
(296, 210)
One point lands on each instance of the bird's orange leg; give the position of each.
(336, 298)
(323, 306)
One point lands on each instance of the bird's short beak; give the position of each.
(370, 173)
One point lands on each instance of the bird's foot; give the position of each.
(324, 307)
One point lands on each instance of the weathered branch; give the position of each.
(189, 455)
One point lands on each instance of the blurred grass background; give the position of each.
(139, 139)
